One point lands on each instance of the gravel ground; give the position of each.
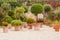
(45, 33)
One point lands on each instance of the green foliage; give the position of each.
(30, 20)
(26, 9)
(8, 0)
(11, 13)
(14, 4)
(28, 2)
(50, 16)
(6, 6)
(8, 19)
(19, 12)
(47, 8)
(5, 23)
(16, 22)
(57, 11)
(37, 8)
(0, 3)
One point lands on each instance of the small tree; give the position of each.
(30, 21)
(19, 13)
(37, 8)
(47, 7)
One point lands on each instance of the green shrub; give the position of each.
(14, 4)
(28, 2)
(8, 19)
(37, 8)
(6, 6)
(50, 16)
(47, 8)
(30, 20)
(19, 12)
(5, 23)
(11, 12)
(0, 3)
(26, 9)
(16, 22)
(57, 11)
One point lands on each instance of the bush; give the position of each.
(50, 16)
(58, 12)
(30, 20)
(47, 8)
(14, 4)
(26, 9)
(5, 23)
(8, 19)
(6, 6)
(0, 3)
(37, 8)
(16, 22)
(19, 10)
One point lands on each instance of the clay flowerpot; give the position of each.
(36, 26)
(40, 25)
(4, 26)
(30, 26)
(25, 25)
(5, 29)
(17, 28)
(48, 22)
(9, 26)
(56, 27)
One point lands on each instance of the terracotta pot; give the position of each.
(40, 24)
(36, 26)
(9, 26)
(25, 25)
(47, 22)
(30, 26)
(56, 27)
(5, 29)
(17, 28)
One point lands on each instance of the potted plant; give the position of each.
(56, 26)
(17, 24)
(25, 24)
(30, 22)
(48, 22)
(8, 19)
(49, 19)
(37, 9)
(4, 25)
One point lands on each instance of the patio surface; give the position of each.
(45, 33)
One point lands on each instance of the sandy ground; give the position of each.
(45, 33)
